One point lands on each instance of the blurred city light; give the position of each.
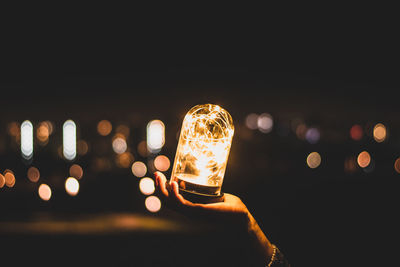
(142, 149)
(396, 165)
(13, 129)
(313, 160)
(363, 159)
(162, 163)
(146, 186)
(379, 133)
(139, 169)
(119, 144)
(72, 186)
(265, 123)
(312, 135)
(252, 121)
(104, 127)
(44, 192)
(33, 174)
(76, 171)
(153, 204)
(43, 133)
(69, 140)
(155, 135)
(124, 160)
(27, 139)
(9, 178)
(82, 147)
(2, 180)
(356, 132)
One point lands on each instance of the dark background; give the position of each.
(329, 75)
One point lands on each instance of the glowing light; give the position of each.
(124, 160)
(13, 129)
(350, 164)
(313, 160)
(203, 149)
(43, 133)
(2, 180)
(155, 135)
(9, 178)
(252, 121)
(44, 192)
(33, 174)
(72, 186)
(301, 131)
(69, 140)
(312, 135)
(123, 129)
(356, 132)
(379, 133)
(142, 149)
(82, 147)
(27, 140)
(152, 203)
(139, 169)
(162, 163)
(364, 159)
(76, 171)
(104, 127)
(396, 166)
(265, 123)
(146, 186)
(119, 144)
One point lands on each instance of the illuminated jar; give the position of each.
(203, 150)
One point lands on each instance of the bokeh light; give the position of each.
(104, 127)
(252, 121)
(379, 133)
(9, 178)
(312, 135)
(43, 133)
(364, 159)
(153, 204)
(13, 129)
(162, 163)
(82, 147)
(124, 160)
(142, 149)
(350, 164)
(33, 174)
(301, 131)
(397, 165)
(119, 144)
(27, 140)
(356, 132)
(69, 140)
(313, 160)
(123, 129)
(72, 186)
(139, 169)
(146, 186)
(2, 180)
(155, 135)
(76, 171)
(265, 123)
(44, 192)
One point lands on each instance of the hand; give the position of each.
(231, 208)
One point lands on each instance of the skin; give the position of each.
(231, 209)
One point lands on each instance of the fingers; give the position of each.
(161, 183)
(177, 196)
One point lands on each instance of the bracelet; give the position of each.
(272, 257)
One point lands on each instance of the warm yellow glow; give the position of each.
(203, 149)
(72, 186)
(33, 174)
(379, 132)
(152, 203)
(396, 166)
(9, 178)
(155, 135)
(119, 144)
(139, 169)
(44, 192)
(13, 129)
(124, 160)
(43, 132)
(162, 163)
(82, 147)
(123, 129)
(364, 159)
(104, 127)
(2, 180)
(313, 160)
(146, 186)
(142, 149)
(76, 171)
